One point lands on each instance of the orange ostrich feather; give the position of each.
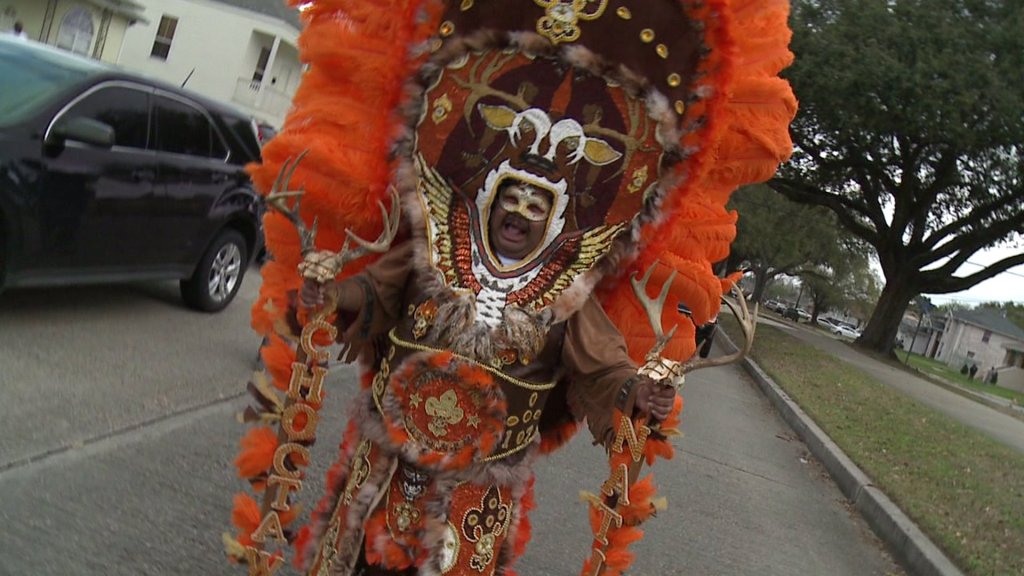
(246, 517)
(743, 139)
(257, 455)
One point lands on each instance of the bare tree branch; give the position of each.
(938, 282)
(968, 241)
(801, 192)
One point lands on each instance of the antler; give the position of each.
(324, 265)
(661, 368)
(356, 247)
(654, 308)
(748, 323)
(278, 200)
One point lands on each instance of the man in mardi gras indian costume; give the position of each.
(540, 152)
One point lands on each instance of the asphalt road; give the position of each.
(117, 433)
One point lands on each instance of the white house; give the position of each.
(985, 338)
(238, 51)
(94, 28)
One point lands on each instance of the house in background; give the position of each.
(984, 337)
(238, 51)
(920, 335)
(94, 28)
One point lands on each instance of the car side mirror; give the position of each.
(85, 130)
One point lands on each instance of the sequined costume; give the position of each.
(442, 444)
(635, 120)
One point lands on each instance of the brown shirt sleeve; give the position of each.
(370, 303)
(594, 353)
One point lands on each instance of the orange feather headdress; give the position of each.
(373, 96)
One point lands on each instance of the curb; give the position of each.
(915, 551)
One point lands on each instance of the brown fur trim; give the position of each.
(436, 524)
(362, 504)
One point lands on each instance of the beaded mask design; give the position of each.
(575, 141)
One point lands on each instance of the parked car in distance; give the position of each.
(845, 331)
(827, 322)
(108, 176)
(791, 313)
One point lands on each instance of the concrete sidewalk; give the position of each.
(903, 537)
(914, 549)
(982, 417)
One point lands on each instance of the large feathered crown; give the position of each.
(650, 114)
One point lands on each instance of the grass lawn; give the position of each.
(929, 366)
(965, 490)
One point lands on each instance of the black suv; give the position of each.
(108, 176)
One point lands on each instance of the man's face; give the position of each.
(519, 220)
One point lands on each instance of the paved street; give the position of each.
(117, 433)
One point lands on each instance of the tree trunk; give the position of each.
(880, 332)
(761, 281)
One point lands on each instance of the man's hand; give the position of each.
(312, 294)
(654, 399)
(322, 266)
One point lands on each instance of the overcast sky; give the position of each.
(1008, 286)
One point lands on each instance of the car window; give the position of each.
(124, 109)
(246, 134)
(32, 77)
(183, 129)
(218, 149)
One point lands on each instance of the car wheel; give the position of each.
(219, 274)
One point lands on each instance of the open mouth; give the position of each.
(514, 228)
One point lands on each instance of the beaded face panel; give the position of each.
(581, 153)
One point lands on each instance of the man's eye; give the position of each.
(537, 210)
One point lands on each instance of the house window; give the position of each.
(970, 354)
(985, 337)
(76, 31)
(261, 66)
(164, 37)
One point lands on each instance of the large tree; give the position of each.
(776, 236)
(911, 130)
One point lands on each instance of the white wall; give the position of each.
(32, 15)
(213, 39)
(961, 340)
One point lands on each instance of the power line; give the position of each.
(1017, 274)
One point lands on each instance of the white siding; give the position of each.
(218, 45)
(964, 343)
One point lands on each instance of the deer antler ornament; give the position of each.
(628, 449)
(299, 416)
(324, 265)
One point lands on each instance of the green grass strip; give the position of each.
(936, 368)
(964, 489)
